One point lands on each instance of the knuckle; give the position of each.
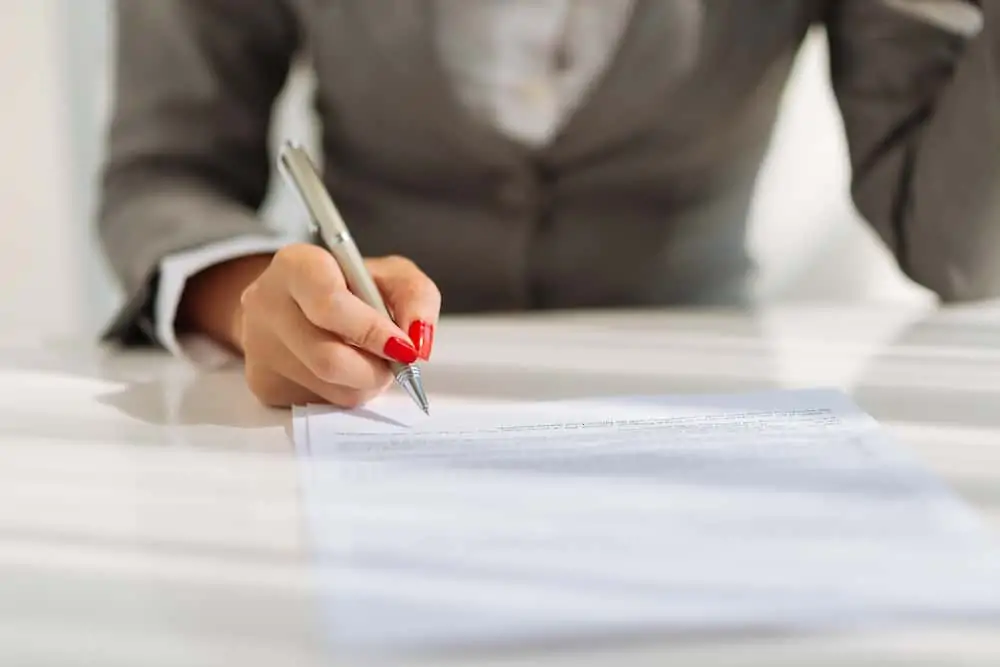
(295, 260)
(285, 258)
(262, 297)
(294, 252)
(250, 297)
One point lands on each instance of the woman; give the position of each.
(516, 155)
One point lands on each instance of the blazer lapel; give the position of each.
(659, 49)
(402, 34)
(660, 46)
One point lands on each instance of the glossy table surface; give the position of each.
(151, 514)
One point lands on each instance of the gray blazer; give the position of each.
(641, 200)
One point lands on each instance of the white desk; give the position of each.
(150, 515)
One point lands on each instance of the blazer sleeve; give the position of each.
(187, 163)
(921, 110)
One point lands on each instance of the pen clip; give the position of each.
(300, 172)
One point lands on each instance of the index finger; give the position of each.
(317, 285)
(411, 295)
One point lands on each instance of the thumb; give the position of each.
(412, 297)
(314, 282)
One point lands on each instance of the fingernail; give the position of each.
(422, 335)
(399, 350)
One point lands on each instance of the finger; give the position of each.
(412, 296)
(280, 391)
(345, 397)
(279, 379)
(322, 353)
(277, 391)
(318, 287)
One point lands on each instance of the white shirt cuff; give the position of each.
(175, 270)
(958, 16)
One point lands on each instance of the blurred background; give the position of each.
(55, 76)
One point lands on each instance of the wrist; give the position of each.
(210, 303)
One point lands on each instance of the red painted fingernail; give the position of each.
(422, 335)
(399, 350)
(425, 351)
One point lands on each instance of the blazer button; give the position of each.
(516, 194)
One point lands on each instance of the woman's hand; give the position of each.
(306, 338)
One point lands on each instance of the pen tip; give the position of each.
(409, 380)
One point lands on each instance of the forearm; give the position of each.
(949, 237)
(921, 107)
(186, 163)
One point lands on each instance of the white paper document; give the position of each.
(492, 524)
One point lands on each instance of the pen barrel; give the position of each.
(295, 164)
(363, 286)
(359, 281)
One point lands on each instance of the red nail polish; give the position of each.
(422, 335)
(399, 350)
(425, 351)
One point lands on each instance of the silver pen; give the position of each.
(295, 165)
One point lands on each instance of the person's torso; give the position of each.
(553, 153)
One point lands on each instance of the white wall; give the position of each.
(53, 71)
(84, 28)
(39, 262)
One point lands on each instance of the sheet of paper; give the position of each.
(498, 523)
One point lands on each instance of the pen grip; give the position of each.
(359, 281)
(294, 164)
(361, 284)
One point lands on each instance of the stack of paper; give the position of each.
(542, 522)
